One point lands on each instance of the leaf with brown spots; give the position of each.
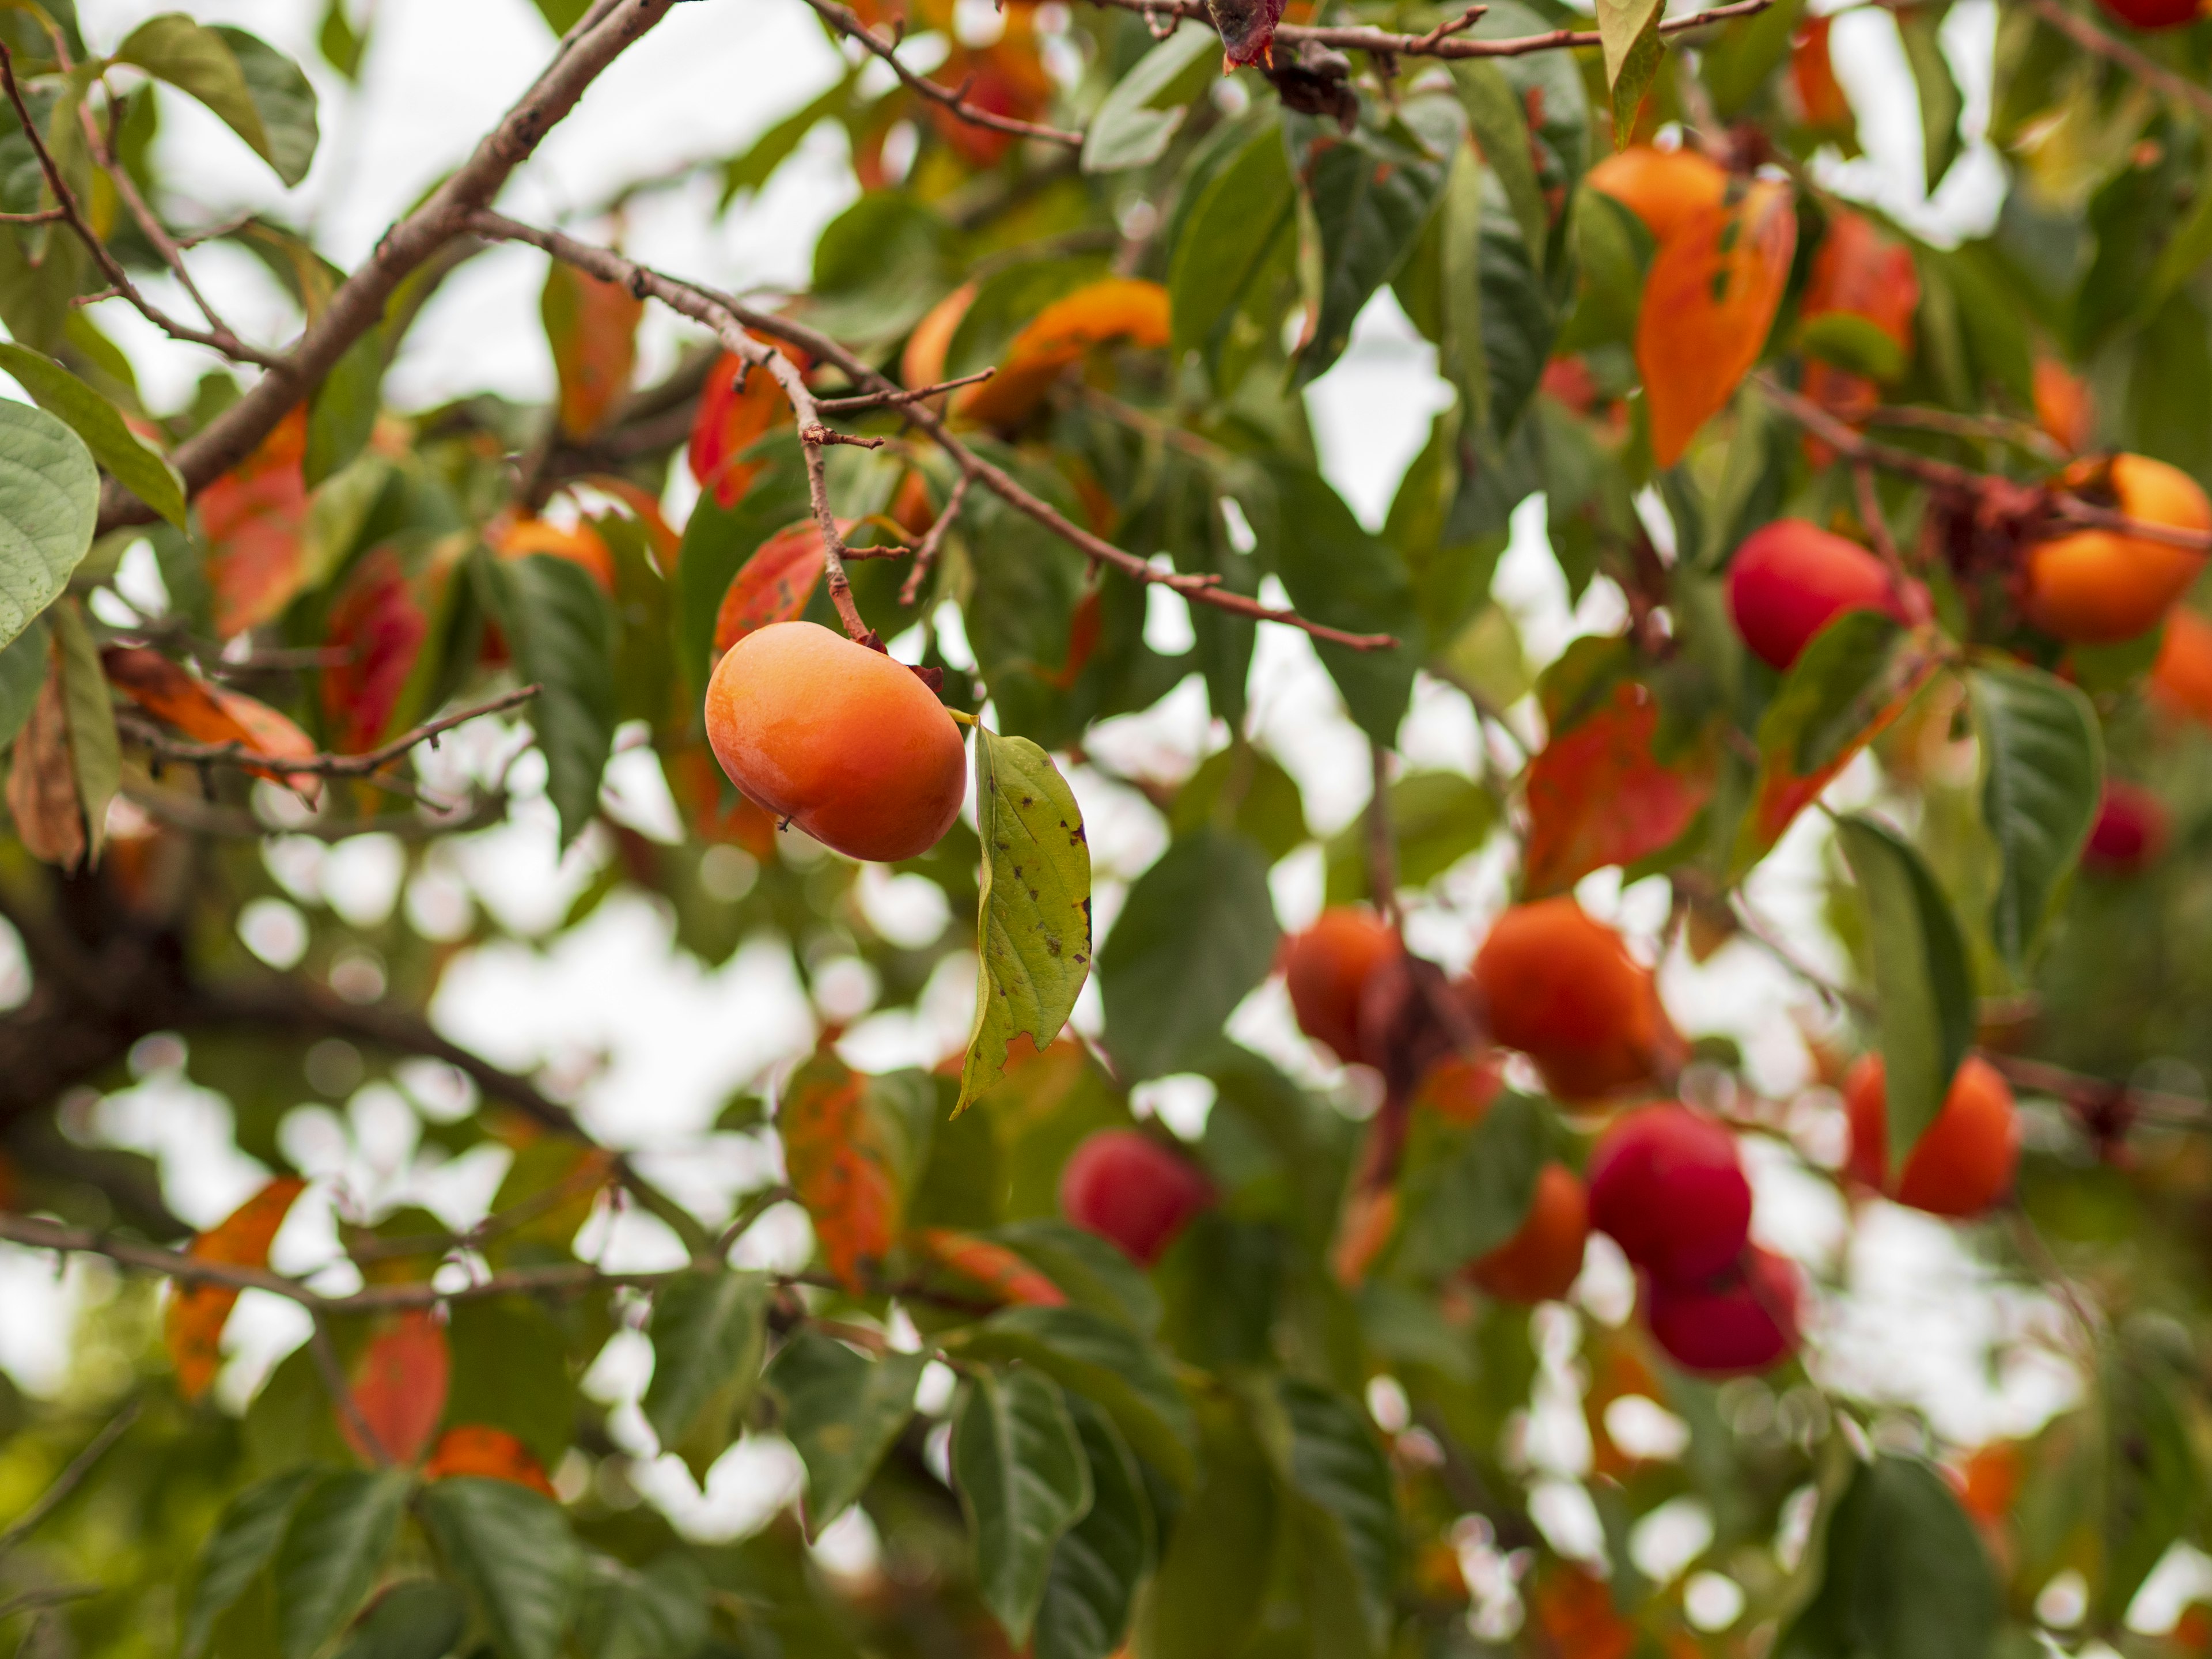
(1033, 915)
(773, 585)
(42, 782)
(846, 1154)
(194, 1328)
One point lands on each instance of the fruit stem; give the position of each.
(963, 719)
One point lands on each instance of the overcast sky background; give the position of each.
(1921, 1319)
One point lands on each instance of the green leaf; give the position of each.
(2042, 778)
(1941, 102)
(1129, 131)
(1023, 1480)
(136, 466)
(842, 1412)
(22, 673)
(752, 168)
(658, 1613)
(717, 542)
(562, 630)
(1234, 260)
(1613, 251)
(1104, 1360)
(1904, 1577)
(256, 92)
(1240, 787)
(510, 1370)
(1371, 194)
(1925, 998)
(1339, 574)
(1476, 1198)
(342, 414)
(709, 1334)
(1033, 909)
(1091, 1588)
(1336, 1464)
(243, 1542)
(1621, 25)
(561, 15)
(1436, 819)
(328, 1562)
(95, 750)
(1197, 932)
(2154, 1490)
(1854, 343)
(1647, 50)
(1094, 1274)
(340, 44)
(1499, 123)
(419, 1619)
(49, 503)
(1212, 1580)
(513, 1552)
(1459, 354)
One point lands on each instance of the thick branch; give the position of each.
(359, 303)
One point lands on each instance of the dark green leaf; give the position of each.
(1924, 995)
(1853, 342)
(1478, 1197)
(258, 92)
(244, 1540)
(418, 1618)
(1436, 819)
(1234, 260)
(1213, 1578)
(1094, 1274)
(22, 673)
(513, 1552)
(338, 1537)
(1197, 932)
(283, 99)
(1499, 122)
(49, 503)
(138, 468)
(1241, 788)
(1370, 195)
(342, 414)
(95, 748)
(709, 1334)
(562, 630)
(1336, 1465)
(658, 1613)
(752, 168)
(718, 540)
(2153, 1490)
(510, 1370)
(561, 15)
(841, 1412)
(1023, 1480)
(340, 44)
(1904, 1577)
(1941, 102)
(1092, 1585)
(2042, 777)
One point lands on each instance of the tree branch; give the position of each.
(847, 22)
(337, 766)
(1436, 43)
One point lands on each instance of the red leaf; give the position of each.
(593, 326)
(1006, 77)
(843, 1163)
(1597, 796)
(730, 421)
(1821, 98)
(773, 585)
(399, 1387)
(1708, 303)
(480, 1449)
(1861, 271)
(193, 1328)
(1008, 1277)
(251, 519)
(208, 714)
(380, 625)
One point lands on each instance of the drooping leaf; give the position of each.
(1628, 36)
(342, 414)
(1019, 1467)
(253, 519)
(1092, 1273)
(514, 1554)
(49, 503)
(244, 1541)
(197, 1313)
(709, 1333)
(628, 1615)
(1708, 304)
(841, 1412)
(1921, 985)
(1214, 1575)
(1000, 1272)
(847, 1151)
(1091, 1589)
(593, 327)
(134, 463)
(1942, 104)
(561, 630)
(379, 622)
(2042, 777)
(1033, 905)
(95, 750)
(1371, 193)
(1336, 1465)
(1234, 259)
(282, 97)
(1905, 1574)
(2153, 1486)
(1598, 795)
(42, 794)
(338, 1538)
(258, 92)
(400, 1386)
(718, 540)
(511, 1372)
(206, 712)
(1197, 932)
(23, 664)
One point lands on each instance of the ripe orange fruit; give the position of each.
(844, 742)
(2181, 678)
(1963, 1162)
(1665, 188)
(1744, 1321)
(1559, 988)
(1460, 1090)
(1791, 579)
(1666, 1184)
(1540, 1262)
(1326, 969)
(2096, 586)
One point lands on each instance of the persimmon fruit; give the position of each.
(2181, 677)
(844, 742)
(2098, 586)
(1127, 1188)
(1791, 579)
(1561, 989)
(2130, 832)
(1665, 188)
(1668, 1185)
(1741, 1320)
(1963, 1162)
(1542, 1260)
(1326, 969)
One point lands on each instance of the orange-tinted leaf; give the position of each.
(192, 1329)
(730, 421)
(400, 1386)
(646, 510)
(1008, 1277)
(593, 326)
(1860, 270)
(922, 362)
(1988, 1480)
(773, 585)
(479, 1449)
(1575, 1613)
(1083, 627)
(2063, 406)
(579, 543)
(1821, 98)
(1598, 796)
(1006, 77)
(1370, 1217)
(843, 1161)
(42, 793)
(1708, 304)
(1114, 308)
(380, 625)
(208, 713)
(251, 519)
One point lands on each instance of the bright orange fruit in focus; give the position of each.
(2099, 587)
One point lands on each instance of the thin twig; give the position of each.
(73, 1476)
(1877, 524)
(847, 22)
(150, 222)
(1382, 850)
(1366, 38)
(1982, 428)
(2089, 37)
(892, 399)
(748, 1213)
(925, 556)
(199, 817)
(362, 766)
